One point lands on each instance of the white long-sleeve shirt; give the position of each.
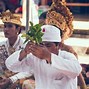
(60, 74)
(20, 75)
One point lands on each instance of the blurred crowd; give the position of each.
(16, 5)
(12, 5)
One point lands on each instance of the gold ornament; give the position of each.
(10, 18)
(60, 16)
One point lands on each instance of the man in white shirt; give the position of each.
(60, 16)
(12, 43)
(52, 68)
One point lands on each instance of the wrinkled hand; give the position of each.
(4, 83)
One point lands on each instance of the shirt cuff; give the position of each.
(14, 79)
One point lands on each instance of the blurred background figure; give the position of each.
(33, 12)
(2, 6)
(13, 42)
(12, 5)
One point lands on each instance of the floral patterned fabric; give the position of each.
(28, 84)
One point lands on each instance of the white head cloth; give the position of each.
(51, 33)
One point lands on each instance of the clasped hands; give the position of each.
(40, 51)
(4, 83)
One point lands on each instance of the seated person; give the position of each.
(12, 29)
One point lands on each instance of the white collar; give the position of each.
(16, 42)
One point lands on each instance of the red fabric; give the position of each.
(20, 9)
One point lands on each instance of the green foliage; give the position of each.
(34, 34)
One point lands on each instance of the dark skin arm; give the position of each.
(41, 52)
(25, 51)
(81, 81)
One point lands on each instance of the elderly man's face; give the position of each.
(10, 30)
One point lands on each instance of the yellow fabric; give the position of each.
(28, 84)
(10, 18)
(60, 16)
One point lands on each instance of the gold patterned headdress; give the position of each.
(60, 16)
(11, 18)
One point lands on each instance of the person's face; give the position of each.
(42, 21)
(51, 46)
(10, 30)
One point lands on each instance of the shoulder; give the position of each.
(67, 55)
(68, 48)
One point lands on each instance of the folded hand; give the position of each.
(4, 83)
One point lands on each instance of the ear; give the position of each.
(18, 30)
